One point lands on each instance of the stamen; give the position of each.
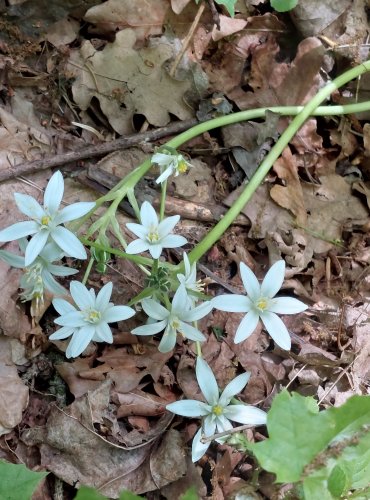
(217, 410)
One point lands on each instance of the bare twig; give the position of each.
(94, 151)
(187, 40)
(226, 433)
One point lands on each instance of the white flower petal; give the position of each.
(233, 388)
(188, 408)
(245, 414)
(250, 282)
(117, 313)
(81, 295)
(148, 215)
(232, 303)
(198, 312)
(54, 193)
(62, 333)
(80, 340)
(209, 425)
(247, 326)
(61, 270)
(286, 305)
(74, 211)
(166, 225)
(277, 330)
(19, 230)
(62, 306)
(51, 284)
(150, 329)
(71, 319)
(155, 250)
(273, 279)
(222, 425)
(207, 381)
(103, 333)
(68, 242)
(12, 259)
(164, 175)
(162, 159)
(190, 332)
(173, 241)
(137, 246)
(138, 230)
(168, 340)
(179, 300)
(154, 310)
(35, 245)
(103, 297)
(29, 206)
(198, 448)
(51, 252)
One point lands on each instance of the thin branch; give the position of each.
(94, 151)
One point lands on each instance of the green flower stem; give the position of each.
(119, 191)
(163, 199)
(114, 251)
(260, 174)
(88, 270)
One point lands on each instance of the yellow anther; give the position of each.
(261, 304)
(93, 316)
(217, 410)
(45, 220)
(153, 236)
(182, 167)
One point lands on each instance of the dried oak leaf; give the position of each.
(146, 18)
(127, 82)
(74, 452)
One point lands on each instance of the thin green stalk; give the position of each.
(163, 199)
(119, 191)
(260, 174)
(88, 270)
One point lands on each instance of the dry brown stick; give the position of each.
(93, 151)
(187, 40)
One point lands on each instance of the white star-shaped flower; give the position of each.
(89, 320)
(170, 164)
(46, 222)
(217, 412)
(189, 280)
(261, 303)
(173, 321)
(154, 235)
(40, 274)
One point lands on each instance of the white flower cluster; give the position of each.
(50, 241)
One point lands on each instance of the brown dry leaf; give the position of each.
(139, 403)
(228, 26)
(98, 463)
(289, 196)
(192, 478)
(276, 83)
(63, 32)
(146, 18)
(127, 82)
(13, 392)
(311, 18)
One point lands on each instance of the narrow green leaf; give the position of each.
(17, 482)
(283, 5)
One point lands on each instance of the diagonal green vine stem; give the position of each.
(301, 113)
